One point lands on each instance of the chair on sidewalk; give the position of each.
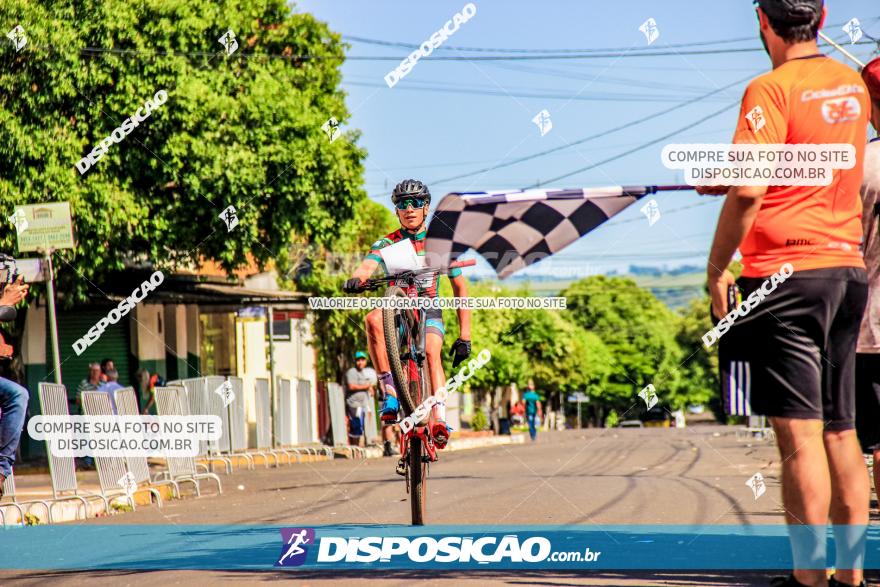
(305, 424)
(126, 405)
(757, 429)
(198, 403)
(9, 494)
(53, 402)
(336, 401)
(111, 470)
(264, 422)
(285, 433)
(222, 447)
(172, 401)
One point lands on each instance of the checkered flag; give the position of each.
(515, 228)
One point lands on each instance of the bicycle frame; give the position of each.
(416, 364)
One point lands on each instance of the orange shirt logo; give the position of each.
(841, 110)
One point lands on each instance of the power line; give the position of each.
(596, 136)
(401, 44)
(522, 54)
(645, 146)
(595, 97)
(459, 163)
(459, 48)
(604, 79)
(630, 83)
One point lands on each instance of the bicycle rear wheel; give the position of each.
(418, 481)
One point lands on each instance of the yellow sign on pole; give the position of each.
(43, 227)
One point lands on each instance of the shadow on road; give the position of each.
(542, 577)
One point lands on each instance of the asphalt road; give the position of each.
(632, 476)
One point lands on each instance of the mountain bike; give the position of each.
(405, 342)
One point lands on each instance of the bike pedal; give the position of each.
(401, 468)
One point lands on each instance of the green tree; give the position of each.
(639, 332)
(493, 330)
(700, 370)
(321, 271)
(241, 130)
(562, 356)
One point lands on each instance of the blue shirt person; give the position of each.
(533, 409)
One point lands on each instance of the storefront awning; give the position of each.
(212, 293)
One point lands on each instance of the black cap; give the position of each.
(792, 11)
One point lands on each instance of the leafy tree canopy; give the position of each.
(241, 130)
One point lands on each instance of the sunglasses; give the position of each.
(414, 202)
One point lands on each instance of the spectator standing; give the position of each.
(534, 412)
(359, 385)
(13, 397)
(868, 350)
(799, 344)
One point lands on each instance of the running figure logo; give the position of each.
(128, 484)
(18, 38)
(649, 394)
(331, 128)
(757, 485)
(650, 30)
(19, 221)
(854, 29)
(230, 44)
(295, 551)
(228, 216)
(756, 120)
(542, 119)
(651, 210)
(225, 392)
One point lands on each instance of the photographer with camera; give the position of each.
(13, 397)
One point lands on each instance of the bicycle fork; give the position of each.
(424, 435)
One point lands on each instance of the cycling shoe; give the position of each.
(441, 432)
(389, 409)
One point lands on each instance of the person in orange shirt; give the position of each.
(799, 342)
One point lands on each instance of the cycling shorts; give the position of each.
(434, 322)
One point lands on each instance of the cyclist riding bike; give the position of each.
(412, 199)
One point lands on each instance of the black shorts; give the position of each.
(798, 345)
(868, 401)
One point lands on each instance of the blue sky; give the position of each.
(447, 118)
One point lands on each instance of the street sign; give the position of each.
(43, 226)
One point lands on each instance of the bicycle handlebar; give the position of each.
(375, 283)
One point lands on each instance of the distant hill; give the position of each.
(674, 287)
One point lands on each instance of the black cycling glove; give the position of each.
(353, 285)
(461, 350)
